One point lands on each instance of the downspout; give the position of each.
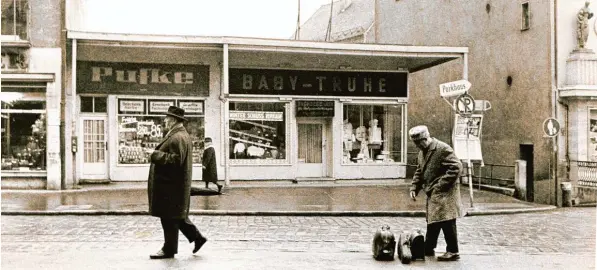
(555, 96)
(224, 98)
(63, 69)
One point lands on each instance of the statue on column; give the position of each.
(582, 20)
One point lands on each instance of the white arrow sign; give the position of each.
(454, 88)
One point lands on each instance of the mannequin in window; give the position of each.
(361, 136)
(347, 136)
(240, 149)
(374, 132)
(255, 151)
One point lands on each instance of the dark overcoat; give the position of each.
(437, 173)
(210, 170)
(170, 173)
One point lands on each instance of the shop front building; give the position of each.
(276, 109)
(30, 96)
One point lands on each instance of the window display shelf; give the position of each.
(257, 124)
(251, 135)
(253, 143)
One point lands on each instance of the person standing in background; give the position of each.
(209, 165)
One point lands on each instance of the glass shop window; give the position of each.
(141, 126)
(23, 134)
(257, 131)
(93, 104)
(15, 15)
(372, 133)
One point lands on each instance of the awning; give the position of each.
(257, 52)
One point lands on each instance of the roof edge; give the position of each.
(265, 42)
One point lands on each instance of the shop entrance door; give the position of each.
(311, 149)
(93, 148)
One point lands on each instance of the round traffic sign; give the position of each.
(465, 104)
(551, 127)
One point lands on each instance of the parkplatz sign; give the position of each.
(455, 88)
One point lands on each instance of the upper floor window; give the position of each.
(15, 18)
(526, 17)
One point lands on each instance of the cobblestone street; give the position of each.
(563, 232)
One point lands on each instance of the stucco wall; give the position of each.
(45, 23)
(498, 49)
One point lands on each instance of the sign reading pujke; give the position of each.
(142, 78)
(318, 83)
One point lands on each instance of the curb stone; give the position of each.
(469, 212)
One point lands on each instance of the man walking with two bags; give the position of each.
(437, 173)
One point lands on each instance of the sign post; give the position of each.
(551, 128)
(467, 126)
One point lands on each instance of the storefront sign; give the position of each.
(306, 108)
(318, 83)
(256, 116)
(128, 106)
(160, 106)
(191, 106)
(142, 78)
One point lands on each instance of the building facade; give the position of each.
(276, 109)
(31, 96)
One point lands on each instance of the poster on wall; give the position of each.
(191, 106)
(135, 106)
(592, 151)
(159, 106)
(467, 137)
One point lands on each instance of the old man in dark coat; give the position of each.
(209, 164)
(437, 173)
(169, 185)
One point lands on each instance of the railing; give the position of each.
(491, 174)
(585, 172)
(499, 175)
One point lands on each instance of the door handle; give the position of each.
(106, 145)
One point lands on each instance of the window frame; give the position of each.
(27, 20)
(525, 17)
(146, 113)
(30, 96)
(402, 130)
(265, 162)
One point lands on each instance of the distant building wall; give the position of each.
(498, 49)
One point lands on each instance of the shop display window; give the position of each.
(23, 134)
(257, 131)
(141, 127)
(372, 134)
(592, 135)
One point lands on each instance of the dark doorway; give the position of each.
(527, 154)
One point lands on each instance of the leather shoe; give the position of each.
(430, 253)
(161, 255)
(449, 256)
(219, 188)
(199, 243)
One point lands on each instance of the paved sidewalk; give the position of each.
(356, 198)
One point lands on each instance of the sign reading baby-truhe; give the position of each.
(142, 78)
(318, 83)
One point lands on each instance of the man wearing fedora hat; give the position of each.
(169, 185)
(437, 173)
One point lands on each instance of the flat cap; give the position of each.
(418, 132)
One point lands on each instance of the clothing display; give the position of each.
(374, 132)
